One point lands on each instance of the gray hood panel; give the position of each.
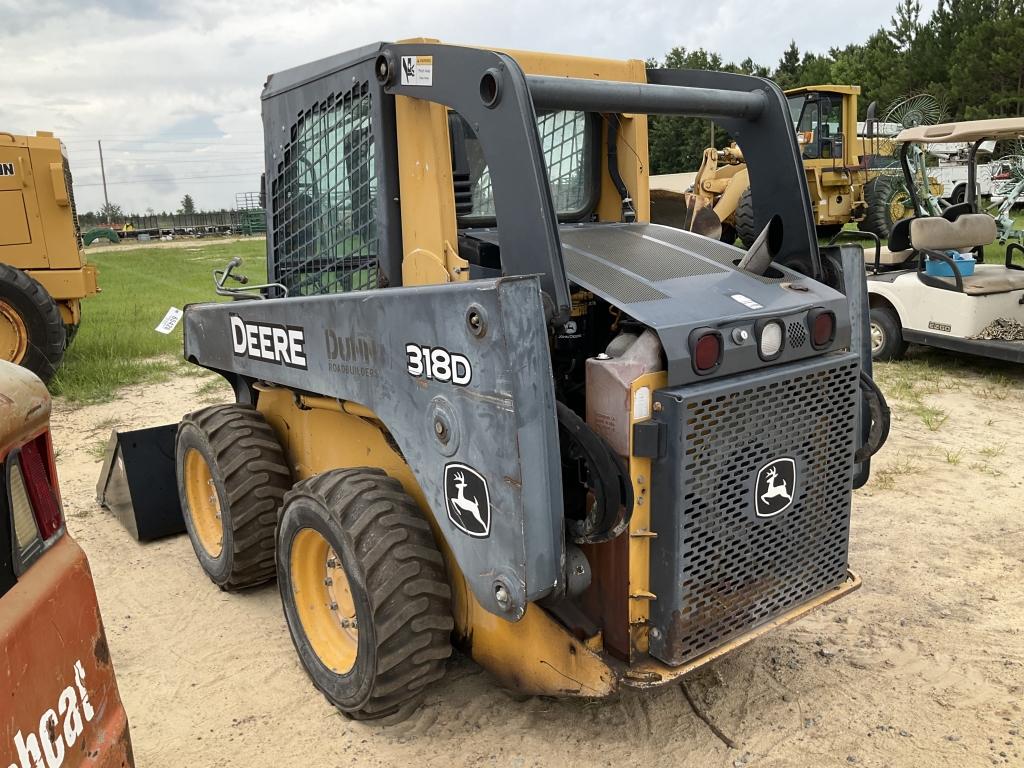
(675, 281)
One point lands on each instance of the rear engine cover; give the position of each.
(751, 500)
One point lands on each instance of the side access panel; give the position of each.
(460, 376)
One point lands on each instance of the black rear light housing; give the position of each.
(695, 338)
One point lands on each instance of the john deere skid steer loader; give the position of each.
(486, 402)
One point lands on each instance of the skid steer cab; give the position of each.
(487, 402)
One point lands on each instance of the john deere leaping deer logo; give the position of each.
(775, 487)
(467, 499)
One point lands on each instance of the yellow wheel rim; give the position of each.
(898, 208)
(323, 601)
(13, 334)
(203, 503)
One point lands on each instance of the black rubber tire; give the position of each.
(251, 476)
(885, 322)
(41, 316)
(959, 194)
(746, 229)
(878, 194)
(728, 234)
(397, 580)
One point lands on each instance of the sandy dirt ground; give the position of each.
(924, 666)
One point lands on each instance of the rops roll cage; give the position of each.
(491, 92)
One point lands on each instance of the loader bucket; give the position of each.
(138, 485)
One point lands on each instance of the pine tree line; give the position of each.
(967, 53)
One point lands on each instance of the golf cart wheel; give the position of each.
(746, 229)
(364, 592)
(886, 335)
(887, 202)
(958, 195)
(31, 328)
(232, 476)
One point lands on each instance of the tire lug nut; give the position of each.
(328, 581)
(332, 563)
(333, 606)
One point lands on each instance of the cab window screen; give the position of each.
(566, 139)
(325, 199)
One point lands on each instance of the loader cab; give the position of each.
(825, 120)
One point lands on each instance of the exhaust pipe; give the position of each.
(765, 247)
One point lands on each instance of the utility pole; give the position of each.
(103, 173)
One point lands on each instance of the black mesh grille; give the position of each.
(325, 199)
(734, 571)
(69, 183)
(797, 334)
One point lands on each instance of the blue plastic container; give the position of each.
(964, 264)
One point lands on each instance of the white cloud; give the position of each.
(190, 72)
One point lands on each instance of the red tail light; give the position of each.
(33, 499)
(823, 328)
(705, 349)
(41, 484)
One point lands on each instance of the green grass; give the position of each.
(116, 345)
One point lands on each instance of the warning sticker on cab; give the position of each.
(417, 70)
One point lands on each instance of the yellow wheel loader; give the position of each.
(849, 177)
(484, 401)
(43, 274)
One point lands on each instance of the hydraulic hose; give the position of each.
(879, 412)
(628, 212)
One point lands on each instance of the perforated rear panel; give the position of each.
(718, 569)
(324, 198)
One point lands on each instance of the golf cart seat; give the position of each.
(935, 235)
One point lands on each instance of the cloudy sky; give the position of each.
(172, 88)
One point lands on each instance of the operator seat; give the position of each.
(965, 233)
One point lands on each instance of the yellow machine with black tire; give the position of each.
(485, 401)
(851, 176)
(43, 274)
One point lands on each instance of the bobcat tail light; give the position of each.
(35, 503)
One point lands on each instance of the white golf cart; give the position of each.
(940, 282)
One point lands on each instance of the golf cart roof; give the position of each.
(969, 130)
